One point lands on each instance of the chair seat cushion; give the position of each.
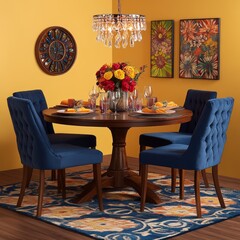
(71, 156)
(158, 139)
(168, 156)
(83, 140)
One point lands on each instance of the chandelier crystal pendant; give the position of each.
(120, 28)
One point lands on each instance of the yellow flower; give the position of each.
(129, 70)
(119, 74)
(108, 75)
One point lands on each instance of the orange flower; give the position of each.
(108, 75)
(129, 70)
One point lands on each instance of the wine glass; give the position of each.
(147, 92)
(93, 95)
(133, 97)
(116, 95)
(104, 102)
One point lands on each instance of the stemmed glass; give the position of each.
(133, 97)
(104, 102)
(147, 92)
(93, 95)
(115, 98)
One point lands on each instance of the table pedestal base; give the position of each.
(131, 179)
(118, 174)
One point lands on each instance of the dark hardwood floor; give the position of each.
(16, 226)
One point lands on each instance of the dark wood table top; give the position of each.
(124, 119)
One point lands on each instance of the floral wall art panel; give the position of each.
(162, 48)
(199, 48)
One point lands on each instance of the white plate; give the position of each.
(150, 113)
(63, 111)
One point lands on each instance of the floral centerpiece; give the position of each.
(118, 76)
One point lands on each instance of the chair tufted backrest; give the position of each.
(195, 101)
(33, 144)
(39, 102)
(208, 140)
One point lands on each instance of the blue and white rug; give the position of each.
(121, 218)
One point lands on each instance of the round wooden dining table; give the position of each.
(118, 174)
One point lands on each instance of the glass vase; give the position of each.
(122, 104)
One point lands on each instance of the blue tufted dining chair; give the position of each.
(39, 102)
(204, 150)
(37, 152)
(195, 101)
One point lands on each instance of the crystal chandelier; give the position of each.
(120, 28)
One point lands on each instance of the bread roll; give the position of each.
(64, 102)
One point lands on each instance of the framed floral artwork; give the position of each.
(199, 48)
(162, 48)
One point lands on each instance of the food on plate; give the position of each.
(70, 110)
(75, 110)
(171, 104)
(159, 104)
(148, 110)
(160, 110)
(83, 109)
(165, 104)
(69, 102)
(86, 103)
(64, 102)
(160, 107)
(154, 110)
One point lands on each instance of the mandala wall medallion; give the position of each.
(55, 50)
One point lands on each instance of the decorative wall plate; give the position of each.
(55, 50)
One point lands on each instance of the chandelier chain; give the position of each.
(119, 7)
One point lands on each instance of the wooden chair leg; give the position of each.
(29, 173)
(142, 148)
(40, 194)
(98, 182)
(204, 176)
(174, 179)
(63, 183)
(25, 178)
(216, 185)
(197, 193)
(181, 183)
(144, 175)
(53, 177)
(59, 181)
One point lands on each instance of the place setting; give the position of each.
(72, 106)
(153, 107)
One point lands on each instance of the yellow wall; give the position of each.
(22, 21)
(176, 88)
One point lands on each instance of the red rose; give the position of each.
(103, 68)
(127, 78)
(123, 65)
(116, 66)
(125, 85)
(132, 85)
(98, 74)
(107, 85)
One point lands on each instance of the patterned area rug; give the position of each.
(121, 218)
